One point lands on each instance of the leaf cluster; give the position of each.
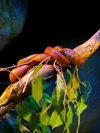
(40, 113)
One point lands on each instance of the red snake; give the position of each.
(64, 56)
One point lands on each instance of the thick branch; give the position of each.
(13, 93)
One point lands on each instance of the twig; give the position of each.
(6, 68)
(48, 58)
(24, 89)
(13, 74)
(57, 69)
(46, 110)
(66, 92)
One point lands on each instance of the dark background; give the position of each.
(49, 25)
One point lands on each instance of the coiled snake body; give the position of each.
(64, 56)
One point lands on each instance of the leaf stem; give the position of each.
(66, 92)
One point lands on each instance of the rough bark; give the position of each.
(13, 93)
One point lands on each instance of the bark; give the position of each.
(13, 93)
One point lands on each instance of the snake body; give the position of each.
(64, 56)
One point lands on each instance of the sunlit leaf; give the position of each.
(55, 119)
(37, 130)
(44, 118)
(47, 98)
(73, 93)
(37, 88)
(45, 114)
(38, 67)
(69, 118)
(75, 83)
(68, 130)
(46, 121)
(60, 86)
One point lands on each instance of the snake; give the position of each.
(64, 56)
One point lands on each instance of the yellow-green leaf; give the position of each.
(75, 83)
(60, 86)
(38, 67)
(42, 118)
(18, 121)
(55, 119)
(69, 118)
(37, 88)
(24, 111)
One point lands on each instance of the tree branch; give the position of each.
(13, 93)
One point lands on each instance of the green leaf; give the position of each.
(58, 105)
(38, 67)
(47, 98)
(18, 121)
(69, 71)
(37, 89)
(60, 86)
(45, 86)
(24, 111)
(82, 98)
(43, 109)
(43, 128)
(82, 105)
(86, 89)
(62, 114)
(54, 98)
(37, 130)
(33, 103)
(33, 122)
(44, 119)
(55, 119)
(76, 83)
(69, 118)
